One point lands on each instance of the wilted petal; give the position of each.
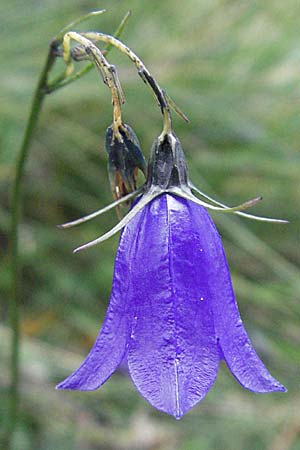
(236, 346)
(173, 353)
(111, 343)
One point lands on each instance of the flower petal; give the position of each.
(111, 343)
(235, 344)
(173, 354)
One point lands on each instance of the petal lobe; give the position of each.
(173, 355)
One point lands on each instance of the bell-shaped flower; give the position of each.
(172, 311)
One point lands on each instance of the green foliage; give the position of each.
(234, 69)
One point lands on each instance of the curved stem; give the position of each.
(108, 73)
(61, 82)
(142, 71)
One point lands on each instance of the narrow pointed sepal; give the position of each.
(142, 202)
(225, 208)
(97, 213)
(184, 192)
(173, 355)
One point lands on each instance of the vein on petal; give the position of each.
(170, 259)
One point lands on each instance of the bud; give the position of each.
(125, 158)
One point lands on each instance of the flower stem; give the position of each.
(61, 81)
(14, 240)
(42, 89)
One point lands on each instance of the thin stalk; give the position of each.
(107, 71)
(41, 91)
(61, 82)
(14, 240)
(142, 71)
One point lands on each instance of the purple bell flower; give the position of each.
(172, 311)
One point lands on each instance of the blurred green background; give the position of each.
(234, 69)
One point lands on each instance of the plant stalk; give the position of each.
(42, 89)
(14, 317)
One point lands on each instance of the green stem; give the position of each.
(41, 91)
(14, 239)
(61, 82)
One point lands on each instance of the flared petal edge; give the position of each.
(111, 344)
(237, 349)
(104, 358)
